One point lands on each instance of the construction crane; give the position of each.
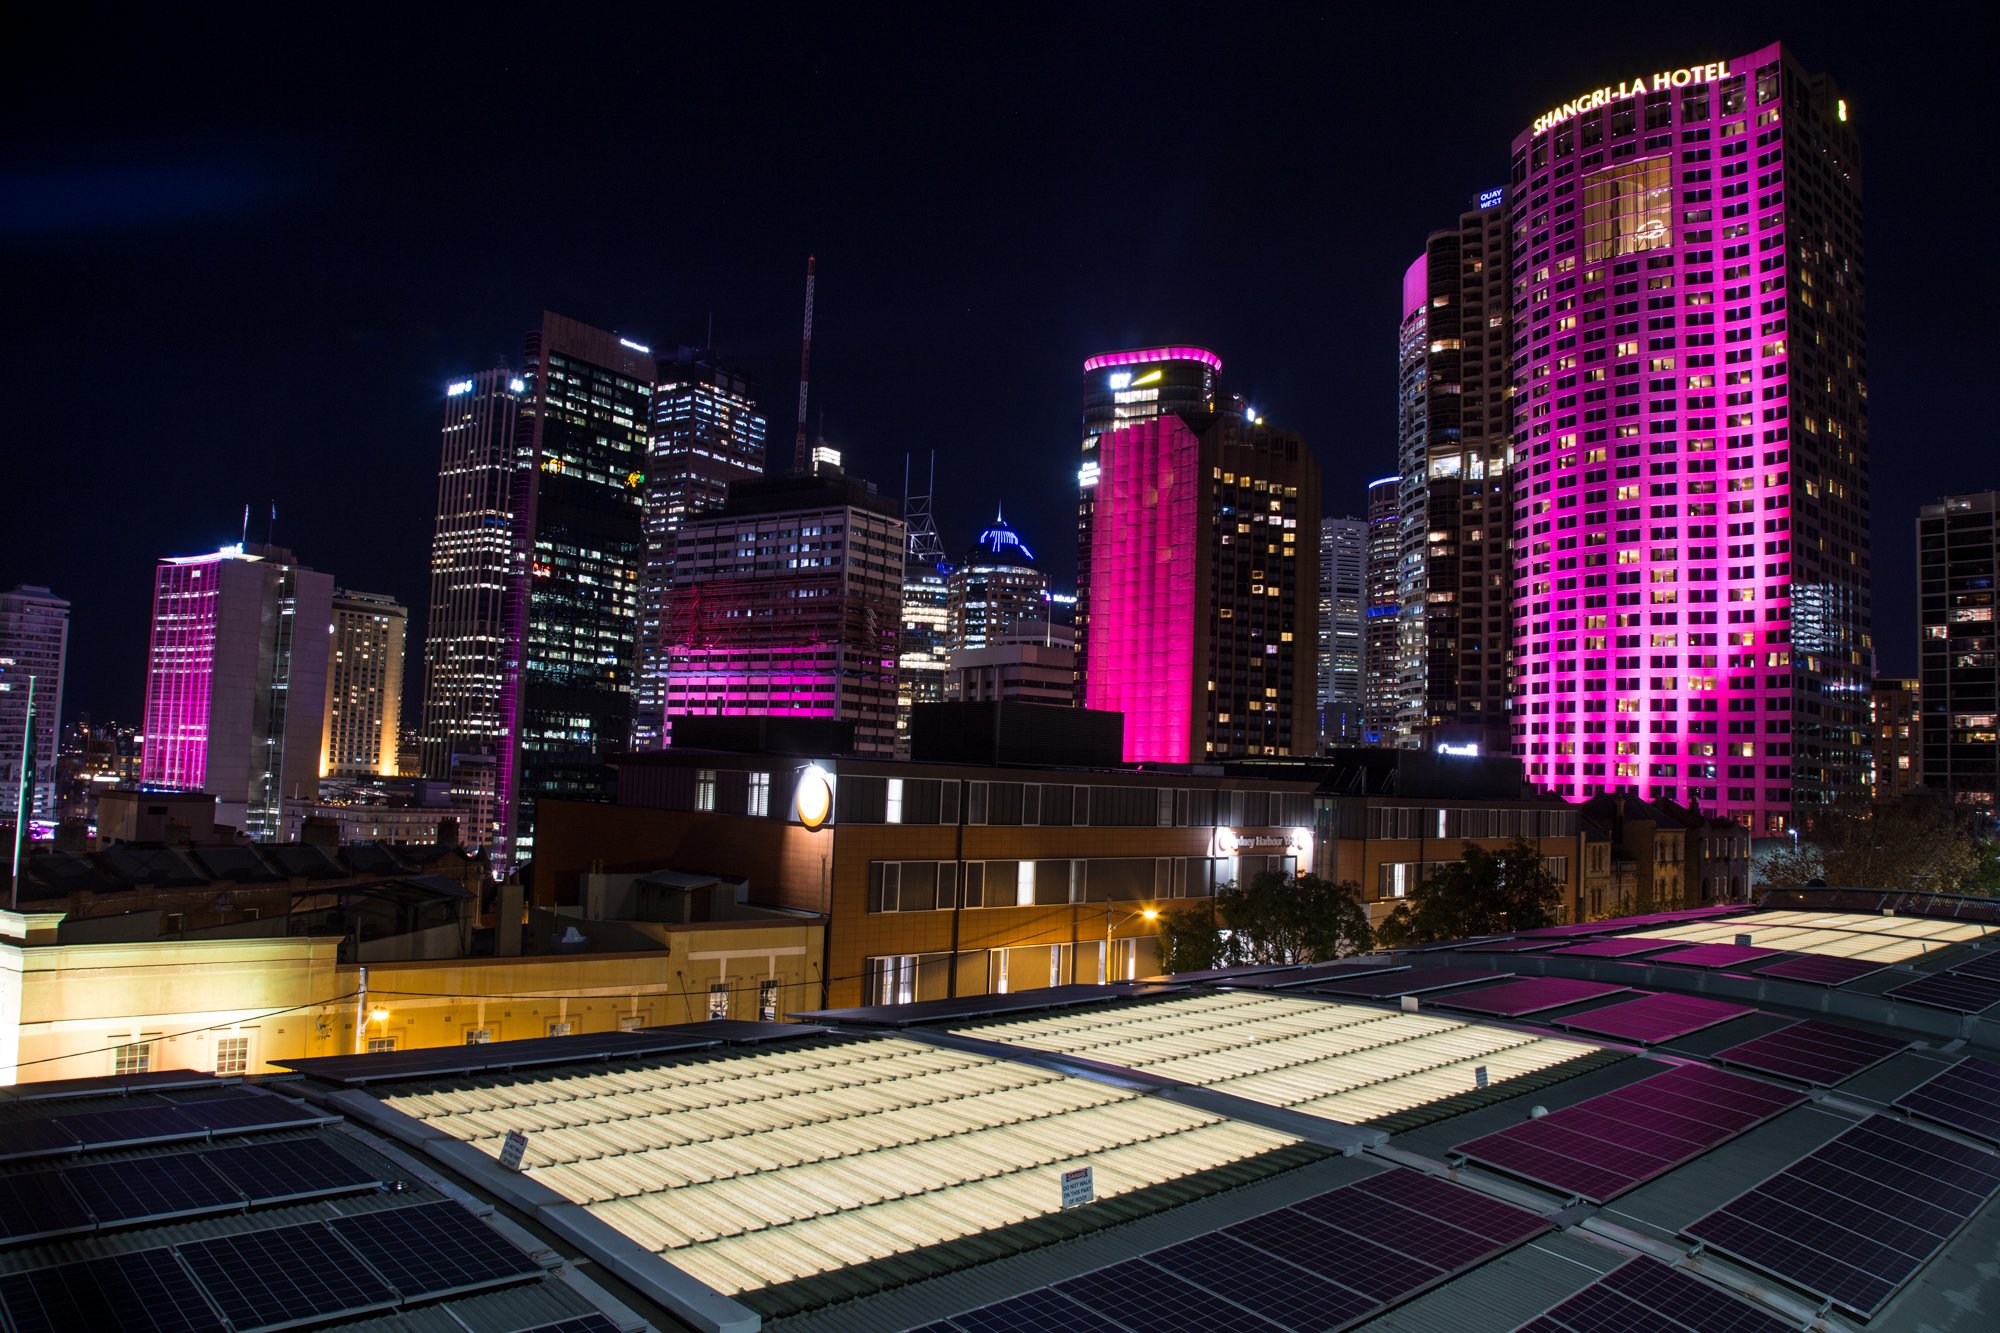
(805, 365)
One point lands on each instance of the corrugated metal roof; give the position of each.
(1882, 939)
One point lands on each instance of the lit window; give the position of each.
(136, 1058)
(718, 999)
(478, 1036)
(232, 1055)
(760, 794)
(704, 789)
(381, 1045)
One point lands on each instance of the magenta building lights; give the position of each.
(1690, 479)
(1146, 356)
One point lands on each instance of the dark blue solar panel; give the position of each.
(146, 1291)
(1966, 1096)
(132, 1125)
(1530, 995)
(1643, 1295)
(434, 1248)
(1946, 990)
(36, 1204)
(1384, 985)
(1137, 1294)
(249, 1113)
(1503, 1224)
(1821, 1054)
(1032, 1312)
(597, 1323)
(35, 1138)
(1615, 947)
(265, 1279)
(1281, 1292)
(180, 1185)
(1820, 969)
(1986, 967)
(289, 1169)
(1715, 955)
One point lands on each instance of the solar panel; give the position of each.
(1531, 995)
(586, 1323)
(440, 1061)
(1617, 947)
(114, 1085)
(35, 1138)
(434, 1249)
(147, 1290)
(1040, 1309)
(1237, 1271)
(1651, 1019)
(1945, 990)
(1986, 967)
(38, 1204)
(1715, 955)
(287, 1275)
(152, 1188)
(1821, 969)
(1859, 1217)
(1644, 1293)
(1412, 982)
(289, 1169)
(1965, 1096)
(250, 1113)
(1137, 1292)
(1602, 1147)
(738, 1031)
(1821, 1054)
(130, 1126)
(1509, 946)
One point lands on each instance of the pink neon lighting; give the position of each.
(180, 668)
(1145, 356)
(1142, 572)
(1416, 285)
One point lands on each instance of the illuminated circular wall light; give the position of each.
(814, 801)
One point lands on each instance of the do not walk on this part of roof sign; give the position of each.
(1077, 1188)
(514, 1150)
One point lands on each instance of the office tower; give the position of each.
(236, 682)
(572, 610)
(34, 640)
(1690, 474)
(1029, 671)
(1205, 588)
(1343, 559)
(706, 435)
(1379, 642)
(1119, 389)
(472, 562)
(1896, 727)
(91, 759)
(364, 687)
(923, 658)
(1958, 561)
(1454, 432)
(997, 595)
(788, 601)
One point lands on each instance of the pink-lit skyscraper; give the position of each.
(236, 681)
(1205, 588)
(1690, 472)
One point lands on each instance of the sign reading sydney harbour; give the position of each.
(1659, 83)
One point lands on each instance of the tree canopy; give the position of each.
(1919, 841)
(1484, 893)
(1274, 919)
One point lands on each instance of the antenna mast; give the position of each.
(805, 365)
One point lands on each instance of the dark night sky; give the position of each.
(243, 256)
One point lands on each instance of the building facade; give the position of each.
(1958, 559)
(34, 646)
(1454, 437)
(788, 601)
(472, 562)
(1205, 589)
(572, 606)
(364, 687)
(1030, 671)
(1121, 389)
(1379, 642)
(706, 435)
(236, 681)
(1343, 595)
(1690, 474)
(996, 595)
(1896, 724)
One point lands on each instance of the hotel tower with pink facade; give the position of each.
(1689, 479)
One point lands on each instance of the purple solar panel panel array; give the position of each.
(1644, 1293)
(1948, 990)
(1820, 969)
(1715, 955)
(1602, 1147)
(1965, 1097)
(1622, 946)
(1821, 1054)
(1413, 982)
(1651, 1019)
(1528, 996)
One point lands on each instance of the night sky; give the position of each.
(243, 256)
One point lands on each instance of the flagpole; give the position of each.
(21, 796)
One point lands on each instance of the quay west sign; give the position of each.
(1658, 83)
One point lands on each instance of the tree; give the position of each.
(1485, 893)
(1918, 841)
(1274, 919)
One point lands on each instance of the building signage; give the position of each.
(514, 1150)
(1491, 198)
(814, 801)
(1077, 1188)
(1663, 81)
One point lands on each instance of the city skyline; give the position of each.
(905, 324)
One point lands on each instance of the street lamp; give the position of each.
(1145, 913)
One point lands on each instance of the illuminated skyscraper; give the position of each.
(997, 595)
(706, 436)
(364, 686)
(1897, 726)
(1453, 396)
(472, 562)
(572, 608)
(1380, 647)
(1958, 579)
(1121, 388)
(1343, 557)
(236, 682)
(34, 642)
(923, 658)
(1205, 588)
(1690, 475)
(788, 601)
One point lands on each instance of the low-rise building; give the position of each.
(1648, 854)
